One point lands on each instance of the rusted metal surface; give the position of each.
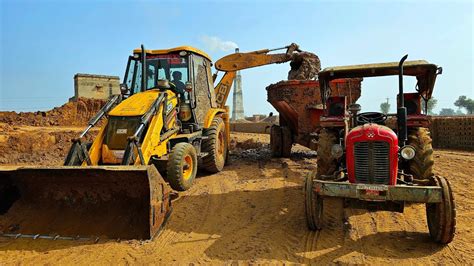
(424, 72)
(421, 194)
(125, 202)
(300, 106)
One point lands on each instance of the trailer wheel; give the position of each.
(215, 145)
(326, 164)
(286, 142)
(441, 216)
(276, 141)
(182, 166)
(313, 204)
(421, 166)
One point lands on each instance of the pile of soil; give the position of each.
(38, 147)
(74, 113)
(304, 66)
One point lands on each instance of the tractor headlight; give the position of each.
(407, 152)
(336, 151)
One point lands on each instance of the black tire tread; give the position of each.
(326, 165)
(210, 161)
(174, 166)
(421, 166)
(443, 229)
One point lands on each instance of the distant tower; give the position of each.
(238, 101)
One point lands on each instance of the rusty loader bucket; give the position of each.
(118, 202)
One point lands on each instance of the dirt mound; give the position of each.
(36, 147)
(305, 65)
(75, 113)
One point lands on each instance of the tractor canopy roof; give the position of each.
(174, 50)
(424, 72)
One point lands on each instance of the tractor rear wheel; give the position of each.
(421, 166)
(276, 141)
(182, 166)
(313, 204)
(215, 146)
(326, 164)
(441, 216)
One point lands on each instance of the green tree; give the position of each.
(447, 111)
(385, 107)
(431, 105)
(466, 103)
(459, 112)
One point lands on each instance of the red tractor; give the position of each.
(380, 161)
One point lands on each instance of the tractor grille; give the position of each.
(372, 162)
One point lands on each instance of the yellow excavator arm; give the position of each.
(238, 61)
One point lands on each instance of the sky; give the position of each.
(44, 43)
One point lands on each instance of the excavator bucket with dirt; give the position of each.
(125, 202)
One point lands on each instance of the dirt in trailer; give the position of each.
(252, 212)
(304, 66)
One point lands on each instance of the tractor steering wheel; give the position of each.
(371, 117)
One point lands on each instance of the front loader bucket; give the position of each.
(118, 202)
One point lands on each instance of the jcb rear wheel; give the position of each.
(441, 216)
(326, 164)
(182, 166)
(421, 166)
(215, 146)
(313, 204)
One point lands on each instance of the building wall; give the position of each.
(455, 132)
(95, 86)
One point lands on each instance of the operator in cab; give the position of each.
(180, 87)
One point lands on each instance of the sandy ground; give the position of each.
(252, 212)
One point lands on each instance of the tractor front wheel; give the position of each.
(182, 166)
(313, 204)
(441, 216)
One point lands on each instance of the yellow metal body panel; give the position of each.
(136, 105)
(223, 88)
(226, 117)
(176, 49)
(95, 152)
(239, 61)
(211, 114)
(152, 145)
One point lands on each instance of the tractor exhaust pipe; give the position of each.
(402, 110)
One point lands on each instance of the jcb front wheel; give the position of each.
(215, 145)
(182, 166)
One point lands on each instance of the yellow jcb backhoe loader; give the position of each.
(168, 118)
